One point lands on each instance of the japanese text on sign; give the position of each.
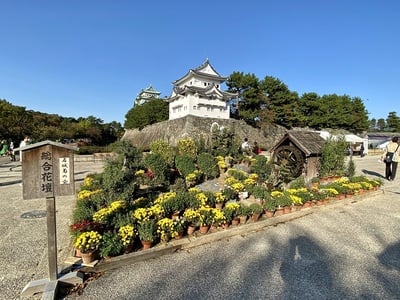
(64, 170)
(46, 174)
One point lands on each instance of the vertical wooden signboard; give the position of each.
(47, 172)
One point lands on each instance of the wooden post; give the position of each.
(52, 237)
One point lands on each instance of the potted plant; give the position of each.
(147, 232)
(256, 211)
(111, 245)
(233, 208)
(88, 244)
(178, 227)
(206, 218)
(220, 199)
(243, 213)
(259, 192)
(165, 227)
(208, 165)
(269, 206)
(127, 234)
(230, 194)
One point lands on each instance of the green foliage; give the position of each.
(185, 164)
(151, 112)
(118, 177)
(261, 167)
(111, 244)
(270, 204)
(187, 147)
(256, 208)
(179, 185)
(393, 122)
(351, 168)
(230, 194)
(159, 167)
(332, 161)
(175, 204)
(147, 230)
(259, 192)
(166, 151)
(298, 183)
(223, 142)
(237, 174)
(208, 165)
(243, 210)
(83, 211)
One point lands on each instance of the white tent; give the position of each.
(383, 145)
(352, 138)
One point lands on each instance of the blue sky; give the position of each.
(80, 58)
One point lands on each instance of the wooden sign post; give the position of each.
(47, 172)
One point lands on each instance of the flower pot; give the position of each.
(191, 229)
(179, 236)
(204, 229)
(225, 225)
(175, 215)
(218, 205)
(269, 213)
(287, 209)
(78, 253)
(255, 217)
(128, 248)
(146, 244)
(235, 221)
(279, 211)
(242, 219)
(89, 257)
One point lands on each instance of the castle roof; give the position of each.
(209, 91)
(205, 70)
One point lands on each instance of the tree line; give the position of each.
(17, 122)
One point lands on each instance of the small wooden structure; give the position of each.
(299, 152)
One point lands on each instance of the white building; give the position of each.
(198, 93)
(146, 95)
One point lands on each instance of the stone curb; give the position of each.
(198, 239)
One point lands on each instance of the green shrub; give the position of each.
(159, 168)
(261, 167)
(166, 151)
(147, 230)
(332, 161)
(111, 245)
(255, 208)
(185, 164)
(208, 165)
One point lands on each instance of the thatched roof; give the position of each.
(309, 142)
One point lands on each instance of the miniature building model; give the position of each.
(298, 152)
(146, 95)
(198, 93)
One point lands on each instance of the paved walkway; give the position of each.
(341, 251)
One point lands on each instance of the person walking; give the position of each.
(25, 142)
(256, 149)
(391, 157)
(245, 147)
